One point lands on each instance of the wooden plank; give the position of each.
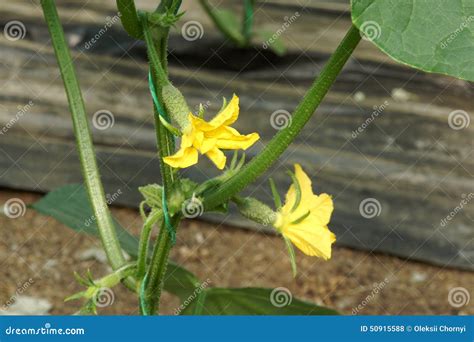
(407, 158)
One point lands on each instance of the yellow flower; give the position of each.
(210, 137)
(305, 216)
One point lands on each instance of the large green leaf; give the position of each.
(250, 301)
(70, 206)
(431, 35)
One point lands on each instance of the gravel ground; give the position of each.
(39, 255)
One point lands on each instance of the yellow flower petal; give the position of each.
(310, 239)
(209, 137)
(310, 232)
(230, 139)
(228, 115)
(217, 157)
(185, 157)
(306, 191)
(321, 208)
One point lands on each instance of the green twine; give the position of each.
(159, 107)
(164, 115)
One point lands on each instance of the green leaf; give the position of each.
(129, 17)
(230, 21)
(252, 301)
(273, 42)
(70, 206)
(434, 36)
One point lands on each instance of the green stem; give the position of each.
(260, 163)
(235, 37)
(174, 6)
(247, 24)
(157, 269)
(159, 262)
(83, 138)
(143, 247)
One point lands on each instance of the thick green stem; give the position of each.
(83, 138)
(259, 164)
(159, 262)
(157, 269)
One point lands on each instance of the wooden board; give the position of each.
(407, 158)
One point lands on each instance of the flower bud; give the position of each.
(176, 105)
(256, 211)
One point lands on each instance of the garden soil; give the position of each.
(38, 255)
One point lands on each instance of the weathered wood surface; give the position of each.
(408, 158)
